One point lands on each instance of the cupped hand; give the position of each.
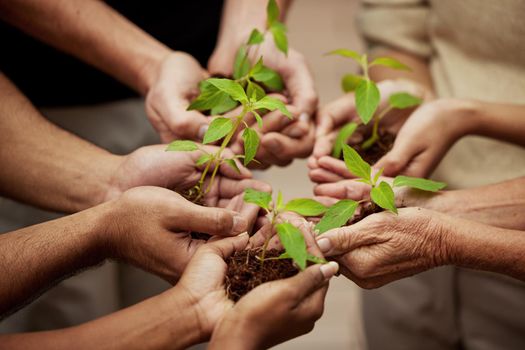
(332, 117)
(426, 137)
(385, 247)
(150, 227)
(176, 84)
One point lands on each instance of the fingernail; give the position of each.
(202, 131)
(304, 117)
(239, 224)
(324, 245)
(295, 133)
(330, 269)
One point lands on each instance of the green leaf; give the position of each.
(418, 183)
(205, 158)
(241, 65)
(315, 259)
(270, 78)
(389, 62)
(305, 207)
(233, 164)
(218, 128)
(279, 36)
(383, 195)
(350, 81)
(230, 87)
(347, 53)
(225, 106)
(256, 37)
(356, 164)
(293, 242)
(254, 91)
(404, 100)
(209, 98)
(272, 13)
(342, 138)
(251, 143)
(262, 199)
(366, 99)
(377, 175)
(280, 204)
(258, 118)
(272, 104)
(337, 215)
(182, 146)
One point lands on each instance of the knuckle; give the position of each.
(223, 221)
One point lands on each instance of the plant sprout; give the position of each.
(367, 97)
(219, 95)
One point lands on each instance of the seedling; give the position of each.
(381, 192)
(290, 236)
(219, 95)
(367, 97)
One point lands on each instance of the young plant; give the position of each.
(290, 236)
(381, 192)
(219, 95)
(367, 97)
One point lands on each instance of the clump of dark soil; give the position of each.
(245, 271)
(192, 194)
(366, 211)
(378, 149)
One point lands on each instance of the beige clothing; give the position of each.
(476, 50)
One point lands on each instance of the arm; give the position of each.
(147, 227)
(384, 247)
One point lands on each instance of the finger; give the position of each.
(230, 188)
(326, 201)
(346, 189)
(286, 148)
(336, 114)
(225, 247)
(311, 279)
(191, 125)
(399, 156)
(312, 163)
(335, 166)
(322, 176)
(297, 130)
(300, 84)
(225, 168)
(324, 145)
(213, 221)
(261, 236)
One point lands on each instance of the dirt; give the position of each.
(192, 194)
(379, 149)
(245, 271)
(366, 211)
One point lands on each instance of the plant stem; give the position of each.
(267, 241)
(375, 129)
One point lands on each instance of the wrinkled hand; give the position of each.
(151, 227)
(332, 117)
(177, 83)
(385, 247)
(282, 140)
(426, 137)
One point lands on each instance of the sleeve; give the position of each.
(396, 24)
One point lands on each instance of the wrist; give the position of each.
(107, 187)
(234, 333)
(150, 67)
(463, 115)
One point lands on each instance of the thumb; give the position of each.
(311, 279)
(210, 220)
(397, 159)
(342, 240)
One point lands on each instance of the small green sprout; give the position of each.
(367, 97)
(290, 236)
(220, 95)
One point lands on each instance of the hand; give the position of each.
(153, 166)
(427, 136)
(282, 140)
(335, 115)
(151, 227)
(385, 247)
(176, 84)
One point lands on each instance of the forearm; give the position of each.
(500, 205)
(419, 69)
(45, 165)
(36, 257)
(93, 32)
(240, 17)
(167, 321)
(482, 247)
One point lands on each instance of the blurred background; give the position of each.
(316, 27)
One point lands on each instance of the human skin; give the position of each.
(385, 247)
(189, 312)
(47, 155)
(95, 33)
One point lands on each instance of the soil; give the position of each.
(366, 211)
(379, 149)
(245, 271)
(191, 194)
